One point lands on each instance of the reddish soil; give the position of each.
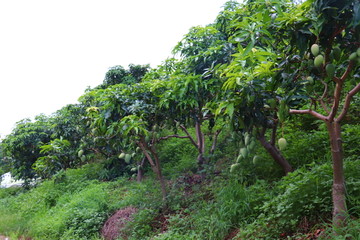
(114, 226)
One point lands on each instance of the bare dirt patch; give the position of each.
(114, 226)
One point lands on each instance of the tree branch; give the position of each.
(335, 106)
(347, 72)
(348, 98)
(273, 134)
(200, 137)
(215, 137)
(143, 148)
(337, 93)
(309, 111)
(172, 136)
(188, 134)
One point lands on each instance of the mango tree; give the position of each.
(130, 114)
(69, 124)
(330, 67)
(21, 148)
(102, 108)
(258, 91)
(191, 85)
(309, 50)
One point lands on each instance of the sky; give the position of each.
(52, 50)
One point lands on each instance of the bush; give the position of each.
(82, 212)
(73, 203)
(305, 193)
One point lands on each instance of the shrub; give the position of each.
(305, 193)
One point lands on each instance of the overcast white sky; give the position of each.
(51, 50)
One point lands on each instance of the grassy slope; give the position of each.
(253, 201)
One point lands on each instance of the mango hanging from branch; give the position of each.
(319, 61)
(315, 49)
(337, 53)
(256, 159)
(234, 167)
(282, 144)
(353, 56)
(330, 70)
(127, 158)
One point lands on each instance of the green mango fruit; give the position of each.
(252, 145)
(282, 143)
(244, 152)
(127, 158)
(315, 49)
(80, 153)
(330, 70)
(353, 56)
(233, 167)
(337, 53)
(247, 140)
(310, 80)
(256, 159)
(319, 61)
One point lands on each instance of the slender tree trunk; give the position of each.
(157, 169)
(200, 144)
(140, 171)
(338, 189)
(160, 176)
(155, 165)
(275, 154)
(214, 143)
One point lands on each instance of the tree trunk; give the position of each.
(160, 176)
(140, 171)
(338, 188)
(200, 144)
(215, 138)
(155, 165)
(276, 155)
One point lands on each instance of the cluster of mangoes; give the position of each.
(319, 59)
(245, 151)
(126, 156)
(330, 68)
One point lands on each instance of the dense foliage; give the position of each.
(235, 128)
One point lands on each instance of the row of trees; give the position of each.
(259, 63)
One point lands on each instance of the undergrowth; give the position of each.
(254, 202)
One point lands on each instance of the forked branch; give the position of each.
(337, 92)
(348, 98)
